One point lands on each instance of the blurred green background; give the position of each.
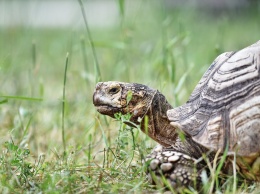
(167, 45)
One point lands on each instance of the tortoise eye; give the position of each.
(113, 90)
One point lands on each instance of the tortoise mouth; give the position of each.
(107, 109)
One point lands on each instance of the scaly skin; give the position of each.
(176, 158)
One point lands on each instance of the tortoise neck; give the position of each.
(155, 122)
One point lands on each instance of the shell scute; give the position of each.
(224, 108)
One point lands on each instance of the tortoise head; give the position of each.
(118, 97)
(138, 100)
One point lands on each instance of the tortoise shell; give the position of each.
(224, 108)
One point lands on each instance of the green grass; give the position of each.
(168, 49)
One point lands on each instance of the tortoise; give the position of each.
(221, 116)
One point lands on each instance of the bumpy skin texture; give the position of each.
(222, 112)
(178, 166)
(178, 169)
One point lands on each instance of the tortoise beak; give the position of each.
(97, 96)
(102, 103)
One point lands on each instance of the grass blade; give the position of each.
(103, 133)
(84, 53)
(21, 98)
(122, 7)
(34, 54)
(97, 69)
(3, 101)
(63, 104)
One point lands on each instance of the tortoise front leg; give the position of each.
(170, 168)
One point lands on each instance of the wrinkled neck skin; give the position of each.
(150, 113)
(155, 123)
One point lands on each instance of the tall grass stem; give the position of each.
(21, 98)
(63, 103)
(31, 73)
(34, 54)
(84, 55)
(97, 69)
